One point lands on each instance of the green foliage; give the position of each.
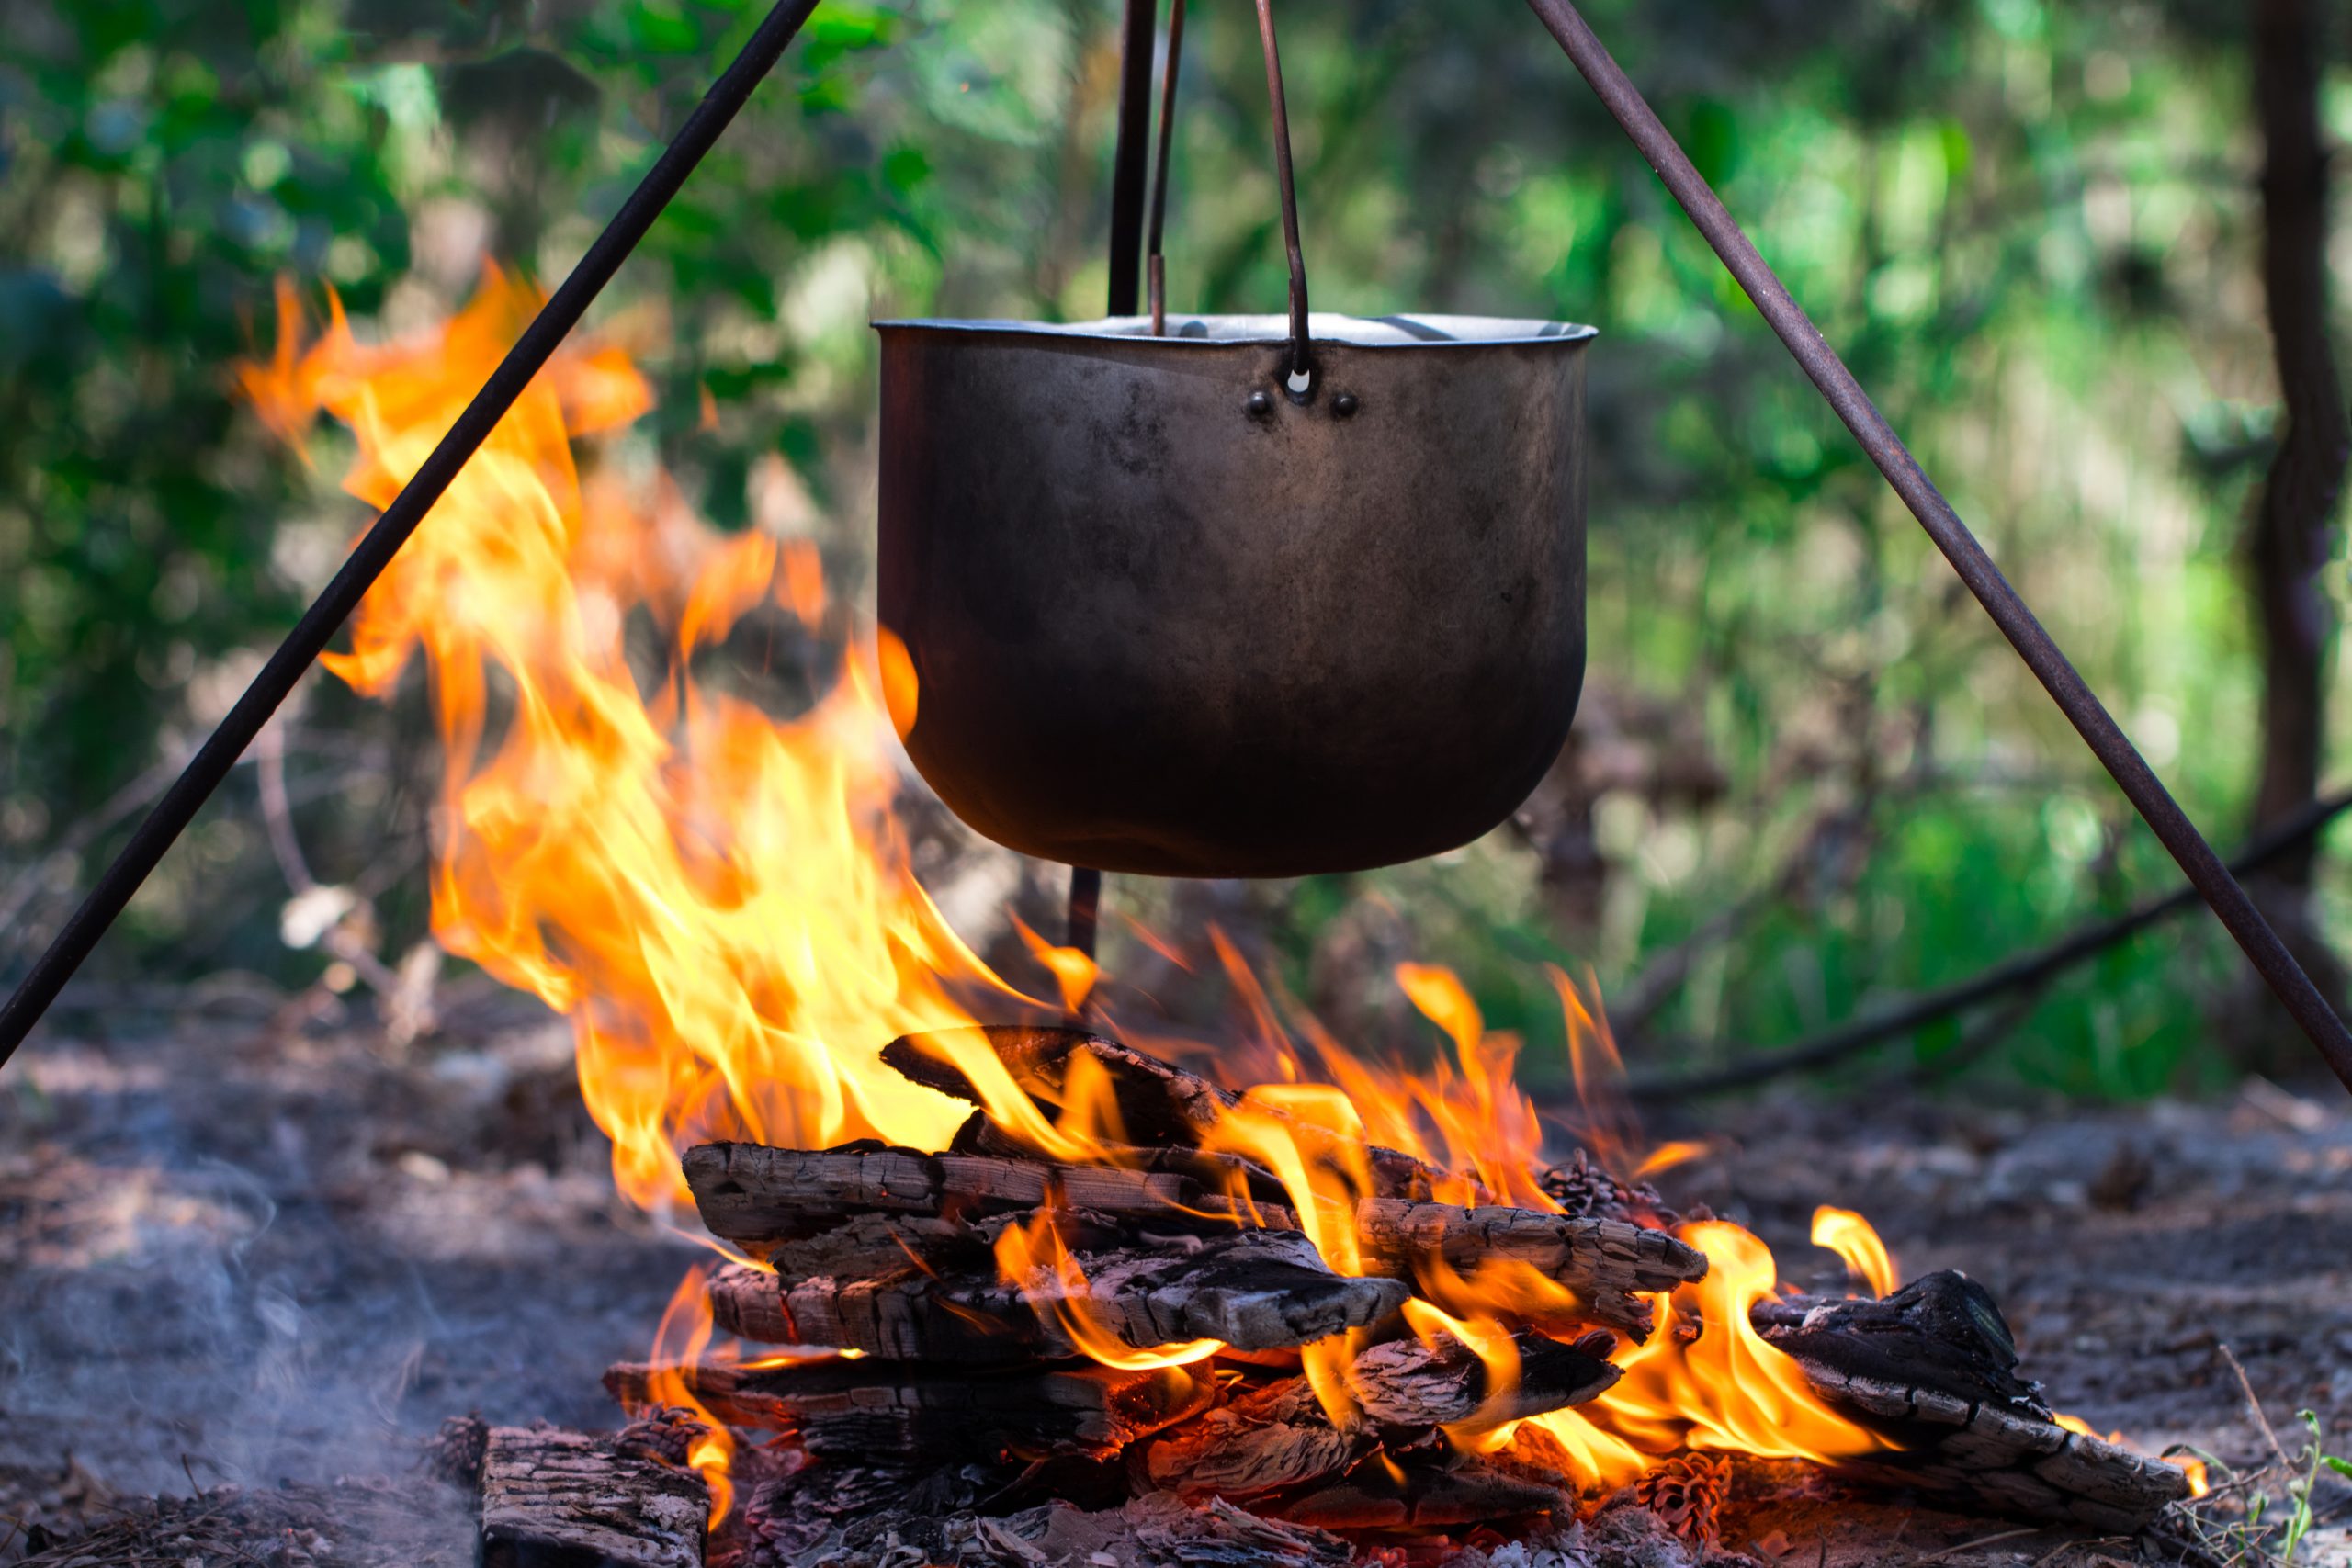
(2027, 225)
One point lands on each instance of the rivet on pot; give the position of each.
(1344, 405)
(1260, 404)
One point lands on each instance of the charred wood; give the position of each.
(867, 1410)
(1373, 1496)
(1931, 1368)
(1155, 1532)
(558, 1499)
(1150, 1101)
(1405, 1383)
(1255, 1289)
(814, 1216)
(1943, 1331)
(1276, 1439)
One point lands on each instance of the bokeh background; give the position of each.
(1807, 777)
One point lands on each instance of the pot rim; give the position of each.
(1404, 330)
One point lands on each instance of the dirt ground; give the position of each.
(258, 1246)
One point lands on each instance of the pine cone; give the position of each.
(1685, 1493)
(1586, 1192)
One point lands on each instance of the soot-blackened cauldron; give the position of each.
(1175, 609)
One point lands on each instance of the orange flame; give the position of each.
(679, 1343)
(1033, 1256)
(1725, 1389)
(1851, 1237)
(719, 899)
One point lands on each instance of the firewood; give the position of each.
(1271, 1440)
(869, 1409)
(1252, 1289)
(1407, 1383)
(769, 1201)
(1277, 1438)
(1154, 1531)
(2001, 1462)
(1156, 1102)
(1943, 1331)
(1932, 1369)
(1372, 1497)
(558, 1499)
(1607, 1264)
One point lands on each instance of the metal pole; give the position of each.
(1828, 373)
(172, 814)
(1127, 155)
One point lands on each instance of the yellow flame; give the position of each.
(1725, 1389)
(1851, 1237)
(1031, 1256)
(679, 1343)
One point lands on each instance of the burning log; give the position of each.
(1276, 1439)
(1252, 1289)
(1154, 1531)
(558, 1499)
(860, 1410)
(1156, 1103)
(1932, 1368)
(1468, 1491)
(814, 1216)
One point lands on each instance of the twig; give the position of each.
(2277, 1448)
(2027, 969)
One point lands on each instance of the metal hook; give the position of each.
(1157, 274)
(1300, 381)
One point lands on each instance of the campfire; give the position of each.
(1016, 1279)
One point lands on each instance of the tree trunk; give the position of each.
(2293, 524)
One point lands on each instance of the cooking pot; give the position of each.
(1200, 604)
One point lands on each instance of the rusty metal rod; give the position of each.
(1968, 558)
(171, 815)
(1155, 264)
(1085, 909)
(1298, 354)
(1127, 155)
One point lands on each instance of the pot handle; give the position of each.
(1157, 264)
(1301, 379)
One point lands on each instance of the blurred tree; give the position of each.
(2291, 535)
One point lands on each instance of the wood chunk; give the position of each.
(1256, 1290)
(767, 1201)
(867, 1409)
(758, 1197)
(1930, 1368)
(1269, 1441)
(1405, 1383)
(1277, 1439)
(558, 1499)
(1421, 1496)
(1943, 1331)
(1157, 1531)
(1607, 1264)
(1156, 1102)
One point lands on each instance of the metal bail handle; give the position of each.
(1156, 263)
(1301, 380)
